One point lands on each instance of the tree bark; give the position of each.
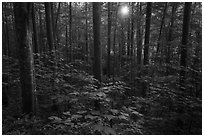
(132, 32)
(70, 31)
(56, 23)
(109, 39)
(35, 33)
(22, 14)
(49, 25)
(41, 48)
(147, 33)
(139, 36)
(169, 39)
(86, 35)
(97, 47)
(161, 27)
(185, 34)
(6, 30)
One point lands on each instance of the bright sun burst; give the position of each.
(124, 11)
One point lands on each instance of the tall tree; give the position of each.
(86, 32)
(132, 31)
(184, 42)
(114, 41)
(139, 35)
(41, 41)
(170, 38)
(49, 24)
(97, 47)
(6, 37)
(56, 24)
(70, 31)
(128, 36)
(147, 32)
(109, 40)
(52, 5)
(23, 22)
(160, 34)
(161, 27)
(35, 33)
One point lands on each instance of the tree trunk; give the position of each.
(7, 38)
(114, 43)
(56, 23)
(41, 43)
(132, 47)
(185, 34)
(35, 33)
(147, 33)
(109, 39)
(132, 32)
(24, 41)
(161, 27)
(97, 47)
(70, 31)
(169, 39)
(139, 36)
(49, 24)
(86, 35)
(128, 37)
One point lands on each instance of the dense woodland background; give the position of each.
(93, 68)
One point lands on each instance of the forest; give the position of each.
(101, 68)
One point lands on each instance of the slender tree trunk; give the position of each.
(128, 37)
(49, 25)
(132, 46)
(161, 28)
(169, 39)
(4, 37)
(35, 33)
(24, 41)
(86, 35)
(7, 38)
(132, 32)
(41, 48)
(139, 36)
(109, 40)
(53, 23)
(70, 31)
(56, 23)
(114, 43)
(185, 34)
(147, 33)
(97, 47)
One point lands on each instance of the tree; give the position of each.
(41, 41)
(56, 24)
(147, 32)
(35, 33)
(139, 35)
(70, 30)
(109, 40)
(49, 26)
(161, 28)
(132, 32)
(169, 38)
(128, 37)
(6, 38)
(86, 35)
(184, 42)
(114, 41)
(23, 22)
(97, 48)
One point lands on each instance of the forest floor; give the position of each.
(69, 101)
